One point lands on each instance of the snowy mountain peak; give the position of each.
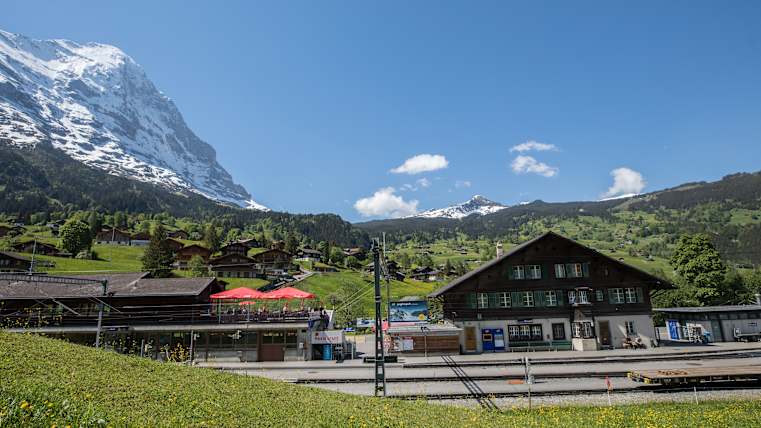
(478, 205)
(96, 104)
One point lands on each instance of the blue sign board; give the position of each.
(673, 329)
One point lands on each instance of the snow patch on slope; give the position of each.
(477, 205)
(97, 105)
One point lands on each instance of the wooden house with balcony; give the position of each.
(551, 293)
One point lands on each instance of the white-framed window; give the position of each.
(576, 270)
(514, 332)
(528, 299)
(525, 331)
(582, 296)
(536, 332)
(504, 300)
(583, 329)
(483, 300)
(630, 329)
(598, 295)
(559, 270)
(618, 295)
(535, 272)
(519, 272)
(571, 297)
(631, 295)
(550, 298)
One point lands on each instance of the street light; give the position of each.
(425, 330)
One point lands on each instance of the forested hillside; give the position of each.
(46, 183)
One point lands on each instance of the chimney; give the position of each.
(500, 252)
(758, 299)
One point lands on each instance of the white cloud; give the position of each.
(384, 203)
(421, 163)
(420, 183)
(526, 164)
(533, 145)
(626, 181)
(462, 183)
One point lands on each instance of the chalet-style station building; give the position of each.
(551, 293)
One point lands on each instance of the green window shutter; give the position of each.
(492, 300)
(539, 298)
(470, 298)
(560, 297)
(611, 296)
(569, 270)
(544, 271)
(515, 296)
(509, 271)
(640, 295)
(585, 269)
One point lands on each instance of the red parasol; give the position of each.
(288, 293)
(238, 293)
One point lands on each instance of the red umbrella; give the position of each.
(238, 293)
(288, 293)
(247, 303)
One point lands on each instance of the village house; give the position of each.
(33, 247)
(273, 262)
(425, 274)
(250, 242)
(184, 254)
(156, 314)
(233, 265)
(112, 236)
(140, 239)
(551, 293)
(10, 230)
(178, 234)
(174, 244)
(12, 262)
(310, 255)
(234, 248)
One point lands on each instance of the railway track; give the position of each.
(659, 389)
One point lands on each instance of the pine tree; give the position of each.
(197, 267)
(158, 258)
(211, 237)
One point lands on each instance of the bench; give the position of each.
(558, 345)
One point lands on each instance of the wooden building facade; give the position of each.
(551, 292)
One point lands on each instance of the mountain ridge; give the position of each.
(476, 205)
(96, 104)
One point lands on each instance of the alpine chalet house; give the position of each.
(233, 266)
(551, 293)
(184, 254)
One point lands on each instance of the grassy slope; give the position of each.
(324, 284)
(52, 383)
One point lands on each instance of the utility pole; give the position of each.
(100, 315)
(34, 253)
(380, 359)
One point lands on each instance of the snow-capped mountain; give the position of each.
(97, 105)
(478, 205)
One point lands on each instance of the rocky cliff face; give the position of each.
(96, 104)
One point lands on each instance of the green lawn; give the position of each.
(111, 258)
(50, 383)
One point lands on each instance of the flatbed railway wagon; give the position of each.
(692, 375)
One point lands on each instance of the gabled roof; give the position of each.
(119, 285)
(194, 246)
(14, 256)
(517, 249)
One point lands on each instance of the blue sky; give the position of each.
(310, 105)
